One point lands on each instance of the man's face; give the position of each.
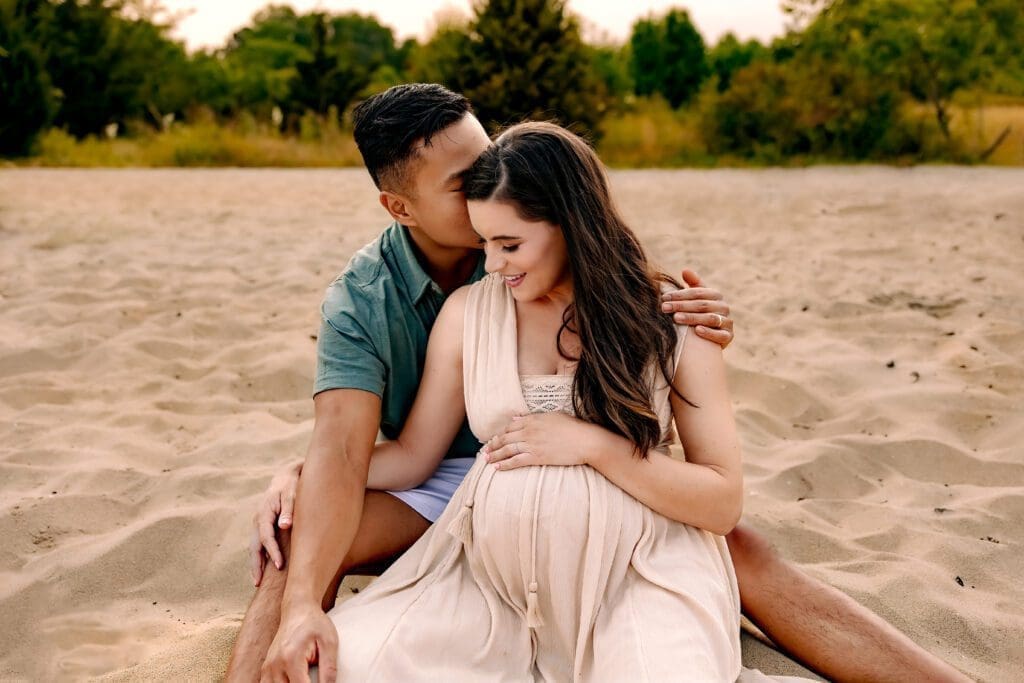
(437, 203)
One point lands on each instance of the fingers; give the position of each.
(513, 432)
(256, 558)
(696, 306)
(713, 320)
(268, 539)
(284, 521)
(692, 294)
(510, 450)
(328, 662)
(297, 669)
(691, 278)
(722, 337)
(521, 460)
(268, 674)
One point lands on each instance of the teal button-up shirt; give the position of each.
(377, 317)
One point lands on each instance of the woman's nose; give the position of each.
(492, 261)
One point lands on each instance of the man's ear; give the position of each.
(397, 206)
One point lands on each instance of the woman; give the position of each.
(594, 560)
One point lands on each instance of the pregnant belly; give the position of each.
(549, 516)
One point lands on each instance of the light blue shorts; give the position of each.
(430, 498)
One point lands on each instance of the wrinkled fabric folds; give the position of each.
(543, 573)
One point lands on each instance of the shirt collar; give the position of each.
(417, 282)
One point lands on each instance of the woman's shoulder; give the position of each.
(486, 296)
(455, 304)
(472, 295)
(460, 295)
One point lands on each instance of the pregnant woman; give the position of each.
(560, 561)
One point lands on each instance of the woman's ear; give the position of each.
(397, 206)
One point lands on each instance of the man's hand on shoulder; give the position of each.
(702, 308)
(306, 636)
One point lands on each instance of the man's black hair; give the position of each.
(389, 126)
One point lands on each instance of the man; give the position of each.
(416, 140)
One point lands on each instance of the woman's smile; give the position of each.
(514, 280)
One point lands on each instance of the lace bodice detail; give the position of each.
(547, 393)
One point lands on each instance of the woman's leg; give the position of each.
(388, 527)
(820, 626)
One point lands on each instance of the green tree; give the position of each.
(729, 55)
(929, 49)
(810, 104)
(367, 57)
(210, 83)
(310, 62)
(439, 59)
(668, 57)
(322, 80)
(109, 67)
(526, 59)
(27, 102)
(611, 64)
(261, 59)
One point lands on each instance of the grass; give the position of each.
(199, 145)
(978, 127)
(646, 134)
(652, 134)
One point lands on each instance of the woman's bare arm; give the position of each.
(705, 491)
(437, 413)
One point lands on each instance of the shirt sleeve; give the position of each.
(346, 348)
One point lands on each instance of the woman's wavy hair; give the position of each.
(550, 174)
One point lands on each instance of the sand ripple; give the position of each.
(158, 348)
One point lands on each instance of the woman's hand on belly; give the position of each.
(553, 438)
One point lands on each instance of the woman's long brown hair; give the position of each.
(549, 174)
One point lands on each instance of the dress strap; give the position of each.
(490, 359)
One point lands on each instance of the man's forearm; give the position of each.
(327, 512)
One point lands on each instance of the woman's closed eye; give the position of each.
(510, 248)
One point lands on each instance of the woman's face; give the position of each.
(530, 255)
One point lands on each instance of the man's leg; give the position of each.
(387, 527)
(821, 627)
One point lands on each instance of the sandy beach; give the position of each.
(157, 346)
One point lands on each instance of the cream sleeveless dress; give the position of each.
(543, 573)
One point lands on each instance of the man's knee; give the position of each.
(752, 554)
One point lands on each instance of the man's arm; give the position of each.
(327, 513)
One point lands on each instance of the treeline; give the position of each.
(852, 79)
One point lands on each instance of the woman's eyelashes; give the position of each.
(507, 248)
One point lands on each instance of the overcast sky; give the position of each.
(212, 21)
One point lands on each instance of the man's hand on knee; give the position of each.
(274, 512)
